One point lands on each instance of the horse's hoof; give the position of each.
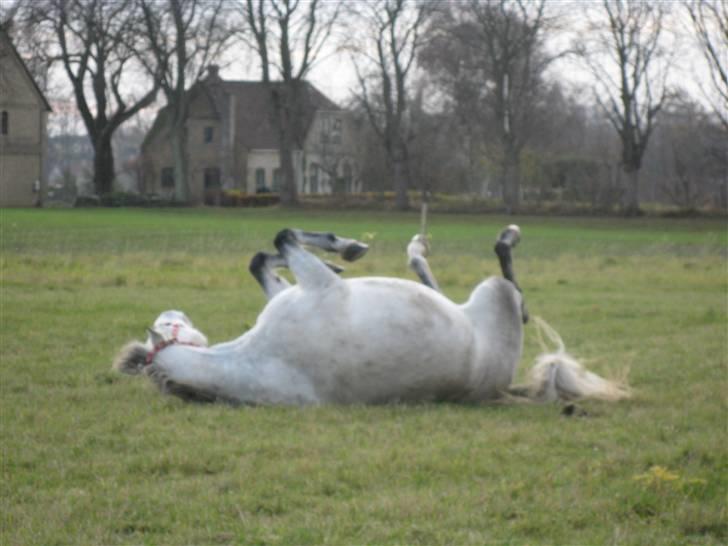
(354, 251)
(510, 236)
(283, 238)
(572, 410)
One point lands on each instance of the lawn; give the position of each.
(93, 457)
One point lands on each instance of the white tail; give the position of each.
(557, 375)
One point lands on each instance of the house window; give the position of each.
(4, 123)
(209, 134)
(331, 130)
(167, 179)
(212, 178)
(260, 186)
(277, 180)
(313, 177)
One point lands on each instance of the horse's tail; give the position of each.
(131, 359)
(556, 375)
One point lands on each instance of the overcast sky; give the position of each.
(334, 73)
(336, 77)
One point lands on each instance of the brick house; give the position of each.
(23, 131)
(232, 143)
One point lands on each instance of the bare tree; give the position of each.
(630, 67)
(93, 38)
(512, 60)
(395, 34)
(181, 39)
(710, 23)
(490, 58)
(288, 36)
(687, 156)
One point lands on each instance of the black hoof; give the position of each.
(257, 263)
(284, 238)
(572, 410)
(509, 236)
(354, 251)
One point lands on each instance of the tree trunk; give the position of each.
(511, 180)
(288, 190)
(179, 157)
(103, 166)
(401, 184)
(400, 175)
(631, 199)
(284, 104)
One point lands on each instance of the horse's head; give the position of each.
(170, 328)
(175, 326)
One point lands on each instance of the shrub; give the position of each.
(237, 198)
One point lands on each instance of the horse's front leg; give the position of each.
(349, 249)
(311, 273)
(262, 267)
(416, 253)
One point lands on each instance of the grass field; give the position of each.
(92, 457)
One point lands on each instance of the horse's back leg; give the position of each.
(417, 260)
(506, 242)
(310, 272)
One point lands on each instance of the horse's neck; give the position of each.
(234, 372)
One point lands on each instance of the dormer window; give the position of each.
(4, 123)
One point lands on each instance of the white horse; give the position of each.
(365, 340)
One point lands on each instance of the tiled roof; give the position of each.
(5, 38)
(254, 113)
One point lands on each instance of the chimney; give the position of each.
(213, 72)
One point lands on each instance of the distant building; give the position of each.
(23, 134)
(70, 161)
(232, 143)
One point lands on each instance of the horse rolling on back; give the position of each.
(369, 340)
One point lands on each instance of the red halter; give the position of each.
(166, 343)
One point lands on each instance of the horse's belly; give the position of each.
(381, 341)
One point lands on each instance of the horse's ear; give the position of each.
(155, 337)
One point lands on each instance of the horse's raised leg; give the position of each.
(507, 240)
(262, 268)
(263, 265)
(417, 261)
(348, 249)
(310, 272)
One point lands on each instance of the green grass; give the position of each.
(92, 457)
